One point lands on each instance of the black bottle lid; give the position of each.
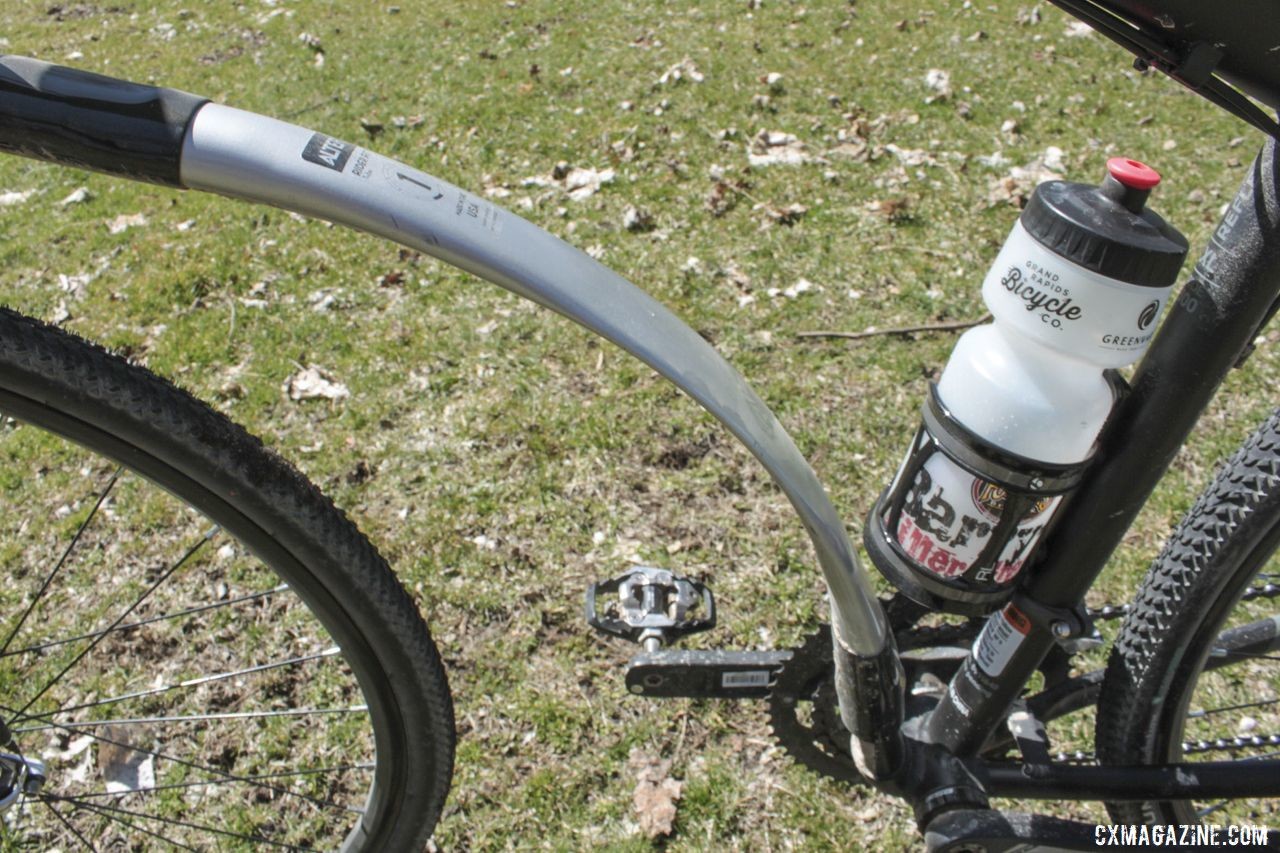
(1107, 229)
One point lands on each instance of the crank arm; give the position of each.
(704, 674)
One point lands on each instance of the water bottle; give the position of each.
(1010, 427)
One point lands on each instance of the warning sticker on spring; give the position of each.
(1001, 637)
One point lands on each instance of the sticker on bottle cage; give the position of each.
(1001, 637)
(752, 678)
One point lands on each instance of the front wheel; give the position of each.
(1195, 672)
(197, 650)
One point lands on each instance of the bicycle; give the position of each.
(66, 387)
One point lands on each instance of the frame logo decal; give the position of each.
(326, 151)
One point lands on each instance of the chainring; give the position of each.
(804, 712)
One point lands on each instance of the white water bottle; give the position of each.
(1076, 290)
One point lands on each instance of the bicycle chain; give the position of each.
(1200, 747)
(804, 688)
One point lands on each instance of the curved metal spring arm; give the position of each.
(248, 156)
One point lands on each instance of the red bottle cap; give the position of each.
(1131, 173)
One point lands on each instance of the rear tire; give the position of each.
(220, 708)
(1195, 672)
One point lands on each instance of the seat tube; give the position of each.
(1210, 327)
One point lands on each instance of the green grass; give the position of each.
(481, 416)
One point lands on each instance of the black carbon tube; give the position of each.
(86, 120)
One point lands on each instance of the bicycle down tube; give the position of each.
(141, 132)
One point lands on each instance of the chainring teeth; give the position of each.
(805, 681)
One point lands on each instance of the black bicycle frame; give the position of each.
(1232, 293)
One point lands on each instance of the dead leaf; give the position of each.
(740, 279)
(1015, 187)
(75, 285)
(855, 150)
(896, 210)
(789, 215)
(774, 147)
(314, 383)
(1052, 159)
(317, 48)
(125, 221)
(637, 219)
(583, 183)
(76, 196)
(940, 82)
(76, 761)
(656, 793)
(682, 70)
(724, 196)
(580, 183)
(14, 197)
(913, 157)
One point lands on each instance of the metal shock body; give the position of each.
(1234, 287)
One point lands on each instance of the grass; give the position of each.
(502, 458)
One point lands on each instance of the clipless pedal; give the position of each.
(655, 607)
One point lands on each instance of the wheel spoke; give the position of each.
(1241, 655)
(190, 552)
(204, 768)
(193, 718)
(105, 812)
(166, 617)
(68, 824)
(1209, 712)
(1216, 807)
(62, 561)
(184, 685)
(284, 774)
(104, 809)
